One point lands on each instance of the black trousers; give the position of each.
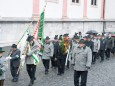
(94, 56)
(61, 65)
(101, 54)
(107, 53)
(14, 71)
(31, 69)
(1, 82)
(53, 61)
(46, 63)
(83, 75)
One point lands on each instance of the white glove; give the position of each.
(8, 57)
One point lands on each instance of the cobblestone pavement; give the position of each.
(101, 74)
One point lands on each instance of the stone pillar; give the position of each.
(85, 9)
(64, 9)
(102, 9)
(35, 14)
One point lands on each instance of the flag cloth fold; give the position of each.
(22, 45)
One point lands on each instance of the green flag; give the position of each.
(41, 27)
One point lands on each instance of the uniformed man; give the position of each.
(74, 45)
(102, 47)
(95, 48)
(47, 54)
(15, 62)
(109, 46)
(30, 63)
(62, 54)
(3, 67)
(89, 43)
(82, 58)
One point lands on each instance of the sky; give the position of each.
(16, 8)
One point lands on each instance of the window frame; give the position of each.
(93, 2)
(95, 6)
(75, 3)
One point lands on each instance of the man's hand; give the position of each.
(87, 68)
(8, 57)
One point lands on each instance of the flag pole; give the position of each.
(37, 25)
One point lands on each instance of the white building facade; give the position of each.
(61, 16)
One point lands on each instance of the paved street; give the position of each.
(101, 74)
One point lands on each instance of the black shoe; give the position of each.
(34, 78)
(32, 81)
(59, 74)
(12, 79)
(107, 58)
(101, 61)
(46, 72)
(15, 80)
(30, 84)
(93, 62)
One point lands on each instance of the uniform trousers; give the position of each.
(46, 63)
(83, 75)
(31, 69)
(1, 82)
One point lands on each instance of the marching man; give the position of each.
(3, 66)
(15, 62)
(30, 62)
(82, 58)
(48, 50)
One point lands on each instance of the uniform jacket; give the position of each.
(103, 44)
(96, 45)
(48, 50)
(3, 66)
(33, 49)
(56, 44)
(15, 58)
(110, 43)
(82, 58)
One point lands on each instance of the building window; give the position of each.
(75, 1)
(93, 2)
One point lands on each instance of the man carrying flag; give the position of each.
(30, 59)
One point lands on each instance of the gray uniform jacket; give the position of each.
(96, 45)
(82, 58)
(33, 49)
(48, 51)
(3, 66)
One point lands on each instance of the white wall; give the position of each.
(75, 10)
(109, 9)
(94, 12)
(53, 10)
(16, 8)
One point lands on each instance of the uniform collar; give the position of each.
(83, 47)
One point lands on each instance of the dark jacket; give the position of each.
(90, 44)
(15, 58)
(56, 44)
(103, 44)
(60, 54)
(110, 43)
